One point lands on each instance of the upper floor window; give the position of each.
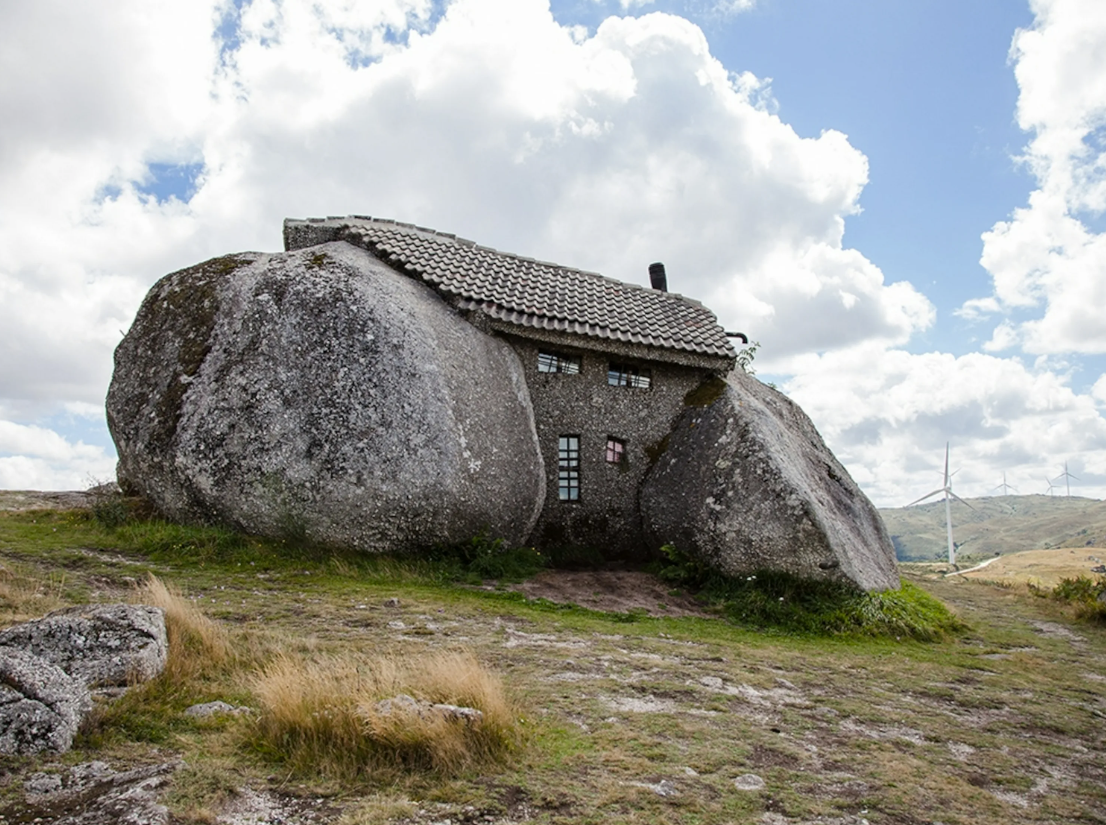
(616, 450)
(568, 468)
(558, 362)
(624, 375)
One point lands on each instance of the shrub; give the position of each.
(1087, 595)
(772, 600)
(323, 716)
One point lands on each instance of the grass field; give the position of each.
(612, 717)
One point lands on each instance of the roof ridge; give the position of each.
(482, 248)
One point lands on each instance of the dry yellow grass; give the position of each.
(24, 596)
(322, 716)
(1044, 568)
(196, 643)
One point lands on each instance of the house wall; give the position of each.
(606, 517)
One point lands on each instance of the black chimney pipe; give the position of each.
(657, 277)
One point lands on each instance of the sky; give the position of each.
(903, 203)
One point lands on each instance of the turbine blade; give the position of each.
(927, 495)
(955, 496)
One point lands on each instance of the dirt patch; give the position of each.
(612, 591)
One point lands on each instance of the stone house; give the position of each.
(608, 365)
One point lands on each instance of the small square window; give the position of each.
(616, 450)
(568, 468)
(624, 375)
(558, 362)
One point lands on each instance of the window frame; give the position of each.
(551, 362)
(568, 467)
(629, 376)
(615, 451)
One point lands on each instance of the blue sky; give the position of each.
(958, 145)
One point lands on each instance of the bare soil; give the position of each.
(611, 591)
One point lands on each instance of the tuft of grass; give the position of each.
(196, 643)
(25, 596)
(322, 717)
(771, 600)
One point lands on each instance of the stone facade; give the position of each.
(606, 516)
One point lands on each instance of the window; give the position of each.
(558, 362)
(623, 375)
(616, 450)
(568, 468)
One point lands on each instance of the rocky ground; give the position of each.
(676, 718)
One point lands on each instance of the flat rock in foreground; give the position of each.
(747, 484)
(320, 395)
(41, 706)
(101, 645)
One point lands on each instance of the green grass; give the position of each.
(818, 711)
(780, 602)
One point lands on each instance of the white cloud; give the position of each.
(887, 415)
(35, 458)
(1048, 256)
(492, 121)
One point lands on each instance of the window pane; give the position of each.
(568, 468)
(622, 375)
(558, 362)
(616, 450)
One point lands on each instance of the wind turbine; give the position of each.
(1067, 478)
(949, 494)
(1004, 486)
(1051, 487)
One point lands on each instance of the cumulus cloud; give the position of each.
(888, 414)
(605, 150)
(1049, 257)
(36, 458)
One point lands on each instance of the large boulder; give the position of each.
(100, 645)
(41, 706)
(320, 394)
(746, 483)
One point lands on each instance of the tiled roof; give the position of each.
(528, 293)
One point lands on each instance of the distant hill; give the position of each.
(997, 524)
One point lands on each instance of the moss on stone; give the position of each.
(706, 393)
(318, 260)
(658, 448)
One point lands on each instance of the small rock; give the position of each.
(39, 784)
(392, 602)
(396, 626)
(207, 709)
(408, 704)
(749, 782)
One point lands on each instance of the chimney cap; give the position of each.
(657, 276)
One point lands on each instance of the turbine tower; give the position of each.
(1067, 479)
(948, 494)
(1004, 486)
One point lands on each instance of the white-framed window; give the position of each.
(549, 361)
(568, 468)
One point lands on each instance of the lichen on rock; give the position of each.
(321, 395)
(747, 484)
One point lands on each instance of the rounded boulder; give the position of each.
(746, 484)
(321, 395)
